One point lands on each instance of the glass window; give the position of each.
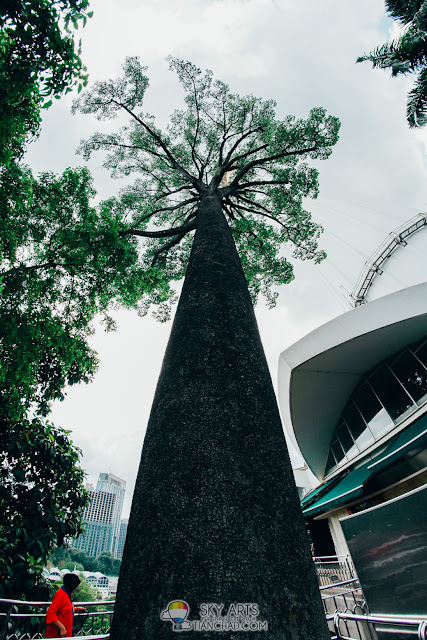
(352, 415)
(380, 424)
(367, 403)
(390, 392)
(376, 416)
(344, 436)
(354, 420)
(338, 451)
(411, 374)
(330, 464)
(420, 349)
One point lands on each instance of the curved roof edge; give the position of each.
(319, 372)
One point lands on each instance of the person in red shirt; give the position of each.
(60, 615)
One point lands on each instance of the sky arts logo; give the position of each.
(239, 617)
(177, 612)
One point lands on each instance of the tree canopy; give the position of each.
(62, 262)
(39, 60)
(220, 142)
(407, 54)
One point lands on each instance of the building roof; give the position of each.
(318, 373)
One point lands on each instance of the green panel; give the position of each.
(350, 486)
(411, 437)
(314, 493)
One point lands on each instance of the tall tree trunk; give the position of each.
(215, 515)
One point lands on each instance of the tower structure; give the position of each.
(102, 516)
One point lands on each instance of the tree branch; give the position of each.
(261, 161)
(196, 183)
(166, 247)
(253, 203)
(182, 230)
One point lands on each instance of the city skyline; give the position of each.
(102, 516)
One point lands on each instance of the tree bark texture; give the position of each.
(215, 515)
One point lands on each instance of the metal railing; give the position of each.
(372, 267)
(343, 602)
(24, 620)
(349, 619)
(333, 569)
(344, 597)
(373, 625)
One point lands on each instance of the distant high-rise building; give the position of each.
(122, 537)
(103, 515)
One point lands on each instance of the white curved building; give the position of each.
(353, 397)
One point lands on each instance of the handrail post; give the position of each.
(422, 628)
(6, 622)
(337, 625)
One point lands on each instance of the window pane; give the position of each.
(344, 437)
(347, 442)
(367, 403)
(331, 464)
(380, 424)
(420, 348)
(411, 374)
(358, 428)
(390, 392)
(354, 420)
(338, 451)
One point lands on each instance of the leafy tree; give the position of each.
(89, 563)
(62, 262)
(85, 593)
(59, 557)
(215, 515)
(105, 562)
(72, 566)
(108, 564)
(41, 499)
(407, 54)
(39, 60)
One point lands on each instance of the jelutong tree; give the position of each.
(215, 515)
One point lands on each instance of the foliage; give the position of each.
(68, 558)
(72, 566)
(85, 593)
(39, 60)
(108, 564)
(81, 557)
(41, 499)
(63, 261)
(407, 54)
(220, 143)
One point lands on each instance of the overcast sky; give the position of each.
(303, 55)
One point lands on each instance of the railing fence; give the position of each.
(23, 620)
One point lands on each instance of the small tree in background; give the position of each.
(407, 54)
(215, 514)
